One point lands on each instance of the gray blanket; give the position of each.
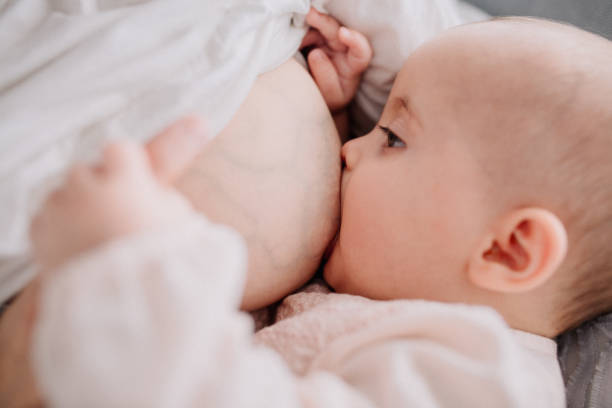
(585, 355)
(592, 15)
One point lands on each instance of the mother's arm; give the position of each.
(17, 385)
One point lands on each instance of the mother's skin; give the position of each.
(273, 174)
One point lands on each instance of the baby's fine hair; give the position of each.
(588, 173)
(572, 151)
(584, 167)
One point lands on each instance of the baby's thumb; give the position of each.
(174, 149)
(326, 77)
(359, 52)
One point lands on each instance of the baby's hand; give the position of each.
(125, 194)
(337, 60)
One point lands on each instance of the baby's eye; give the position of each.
(392, 139)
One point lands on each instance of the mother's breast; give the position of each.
(273, 174)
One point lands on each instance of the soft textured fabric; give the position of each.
(78, 73)
(152, 321)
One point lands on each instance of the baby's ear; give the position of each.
(525, 249)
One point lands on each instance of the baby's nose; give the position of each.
(350, 154)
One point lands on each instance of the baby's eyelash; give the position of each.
(392, 139)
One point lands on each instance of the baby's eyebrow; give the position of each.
(405, 103)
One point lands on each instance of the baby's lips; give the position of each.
(334, 240)
(330, 247)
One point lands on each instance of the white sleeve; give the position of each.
(153, 321)
(419, 373)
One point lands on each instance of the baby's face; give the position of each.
(413, 198)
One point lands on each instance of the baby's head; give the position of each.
(490, 180)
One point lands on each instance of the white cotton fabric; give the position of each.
(152, 321)
(76, 73)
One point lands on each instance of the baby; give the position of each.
(481, 189)
(486, 181)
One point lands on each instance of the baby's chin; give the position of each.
(332, 265)
(330, 248)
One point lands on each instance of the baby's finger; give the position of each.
(37, 234)
(327, 26)
(173, 150)
(78, 174)
(359, 50)
(326, 77)
(120, 157)
(313, 38)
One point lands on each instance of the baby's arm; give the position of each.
(337, 57)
